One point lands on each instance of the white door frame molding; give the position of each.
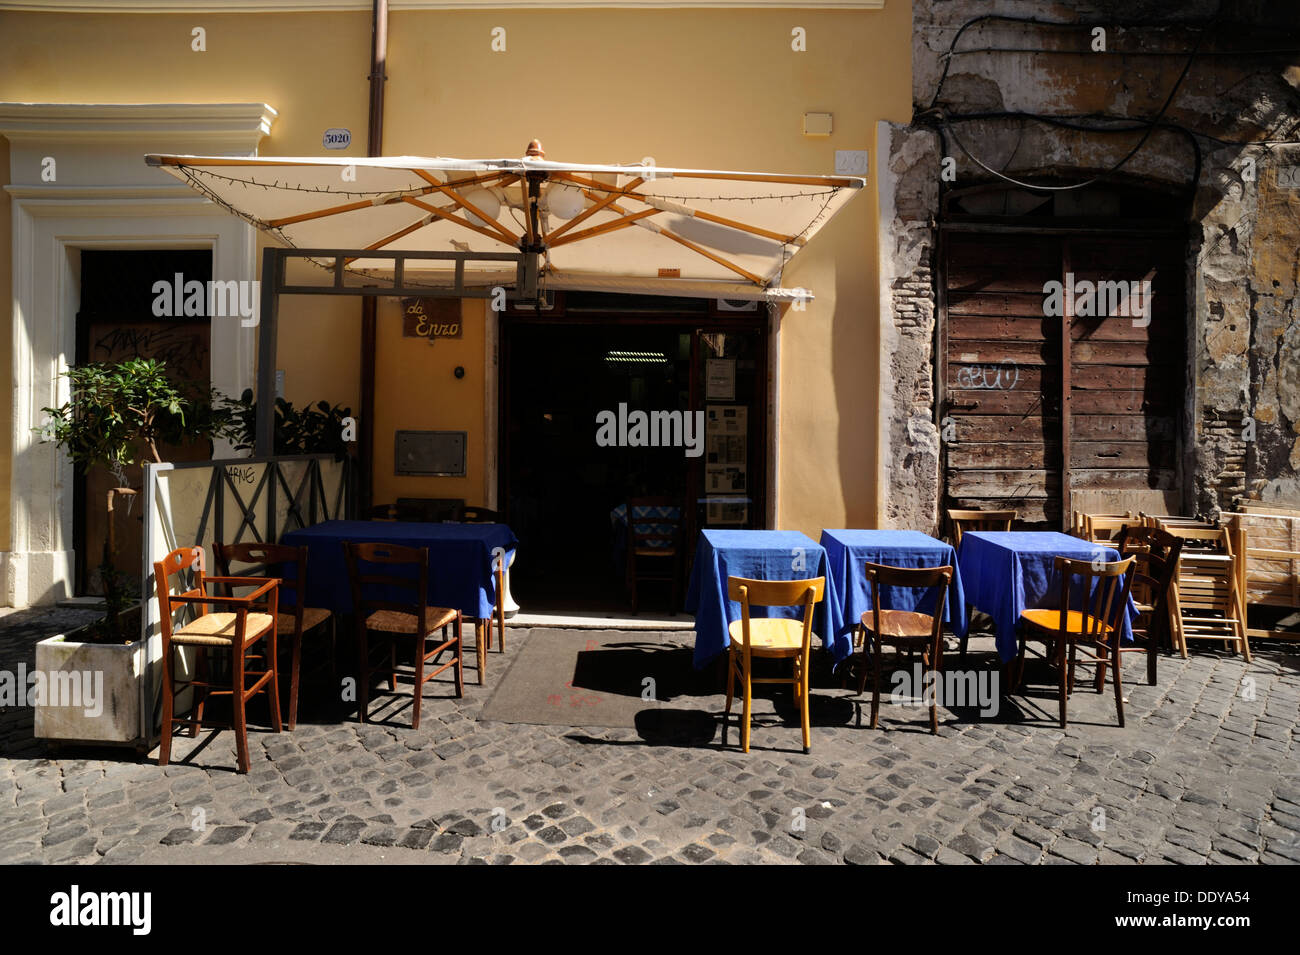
(103, 197)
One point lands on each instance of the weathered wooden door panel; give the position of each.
(1019, 402)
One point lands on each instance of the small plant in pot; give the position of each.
(117, 417)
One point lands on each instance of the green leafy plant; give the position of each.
(315, 429)
(117, 415)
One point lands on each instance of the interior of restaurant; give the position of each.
(565, 485)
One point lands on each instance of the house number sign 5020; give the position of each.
(337, 139)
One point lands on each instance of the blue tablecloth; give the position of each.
(758, 555)
(460, 560)
(1007, 572)
(848, 550)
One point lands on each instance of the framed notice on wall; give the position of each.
(726, 461)
(720, 379)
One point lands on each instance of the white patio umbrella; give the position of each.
(635, 228)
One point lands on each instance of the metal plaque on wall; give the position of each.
(429, 453)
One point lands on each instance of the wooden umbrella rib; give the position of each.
(604, 227)
(709, 255)
(336, 210)
(499, 230)
(630, 193)
(828, 181)
(456, 219)
(735, 224)
(600, 203)
(417, 224)
(219, 161)
(597, 184)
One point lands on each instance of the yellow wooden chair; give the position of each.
(1104, 589)
(781, 638)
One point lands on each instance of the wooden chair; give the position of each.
(249, 619)
(1104, 528)
(1268, 575)
(780, 638)
(429, 510)
(901, 629)
(979, 521)
(293, 619)
(379, 512)
(1150, 592)
(1157, 553)
(1103, 598)
(473, 514)
(654, 547)
(376, 612)
(1209, 602)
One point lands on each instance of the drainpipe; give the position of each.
(370, 305)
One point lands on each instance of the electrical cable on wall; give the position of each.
(1149, 126)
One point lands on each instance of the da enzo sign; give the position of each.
(431, 318)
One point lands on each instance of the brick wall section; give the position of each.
(911, 458)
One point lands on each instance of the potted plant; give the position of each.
(118, 415)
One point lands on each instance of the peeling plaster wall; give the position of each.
(909, 184)
(1241, 431)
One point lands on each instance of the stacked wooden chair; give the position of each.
(1209, 601)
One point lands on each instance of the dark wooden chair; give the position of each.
(978, 521)
(1103, 590)
(473, 514)
(429, 510)
(237, 629)
(901, 629)
(376, 610)
(780, 638)
(293, 620)
(1157, 553)
(654, 547)
(379, 512)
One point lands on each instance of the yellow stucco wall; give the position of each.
(418, 391)
(704, 88)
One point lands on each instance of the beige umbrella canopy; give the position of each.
(637, 227)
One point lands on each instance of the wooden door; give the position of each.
(1039, 421)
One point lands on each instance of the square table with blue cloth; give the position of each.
(461, 574)
(1007, 572)
(848, 550)
(758, 555)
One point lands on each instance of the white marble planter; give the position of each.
(92, 692)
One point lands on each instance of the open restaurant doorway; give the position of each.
(610, 399)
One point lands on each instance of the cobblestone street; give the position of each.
(1205, 771)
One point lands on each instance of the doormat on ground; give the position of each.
(595, 678)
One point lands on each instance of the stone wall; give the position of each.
(1012, 94)
(909, 186)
